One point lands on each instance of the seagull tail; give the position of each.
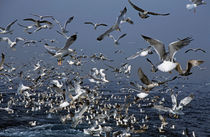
(190, 6)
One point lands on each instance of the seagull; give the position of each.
(149, 85)
(143, 13)
(176, 109)
(26, 28)
(190, 64)
(41, 17)
(2, 61)
(116, 41)
(95, 24)
(142, 53)
(194, 4)
(39, 22)
(128, 20)
(12, 44)
(60, 53)
(115, 26)
(63, 28)
(195, 50)
(98, 76)
(7, 29)
(167, 58)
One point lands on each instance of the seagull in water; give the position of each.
(142, 53)
(167, 58)
(190, 64)
(116, 41)
(7, 29)
(194, 4)
(143, 13)
(115, 26)
(60, 53)
(95, 25)
(12, 44)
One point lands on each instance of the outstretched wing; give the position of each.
(174, 101)
(157, 45)
(123, 35)
(176, 45)
(51, 49)
(185, 101)
(68, 21)
(9, 25)
(161, 14)
(135, 7)
(143, 77)
(69, 41)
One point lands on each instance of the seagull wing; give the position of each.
(101, 37)
(69, 41)
(143, 77)
(111, 36)
(68, 21)
(63, 34)
(185, 101)
(188, 50)
(174, 101)
(51, 49)
(193, 63)
(30, 19)
(157, 45)
(134, 56)
(135, 7)
(200, 50)
(123, 35)
(57, 22)
(6, 39)
(101, 24)
(153, 13)
(91, 23)
(120, 18)
(19, 39)
(9, 26)
(176, 45)
(47, 22)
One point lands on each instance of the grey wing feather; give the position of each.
(123, 35)
(89, 23)
(174, 101)
(176, 45)
(185, 101)
(68, 21)
(101, 37)
(134, 56)
(157, 45)
(70, 41)
(164, 14)
(122, 13)
(143, 77)
(135, 7)
(51, 49)
(9, 26)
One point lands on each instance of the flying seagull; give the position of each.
(194, 4)
(12, 44)
(95, 25)
(149, 85)
(116, 41)
(167, 58)
(143, 13)
(142, 52)
(115, 26)
(37, 23)
(196, 49)
(176, 109)
(63, 28)
(154, 69)
(7, 29)
(190, 64)
(60, 53)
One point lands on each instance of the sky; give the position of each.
(180, 23)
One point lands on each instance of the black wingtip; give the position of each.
(99, 38)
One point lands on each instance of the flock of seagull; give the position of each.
(76, 102)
